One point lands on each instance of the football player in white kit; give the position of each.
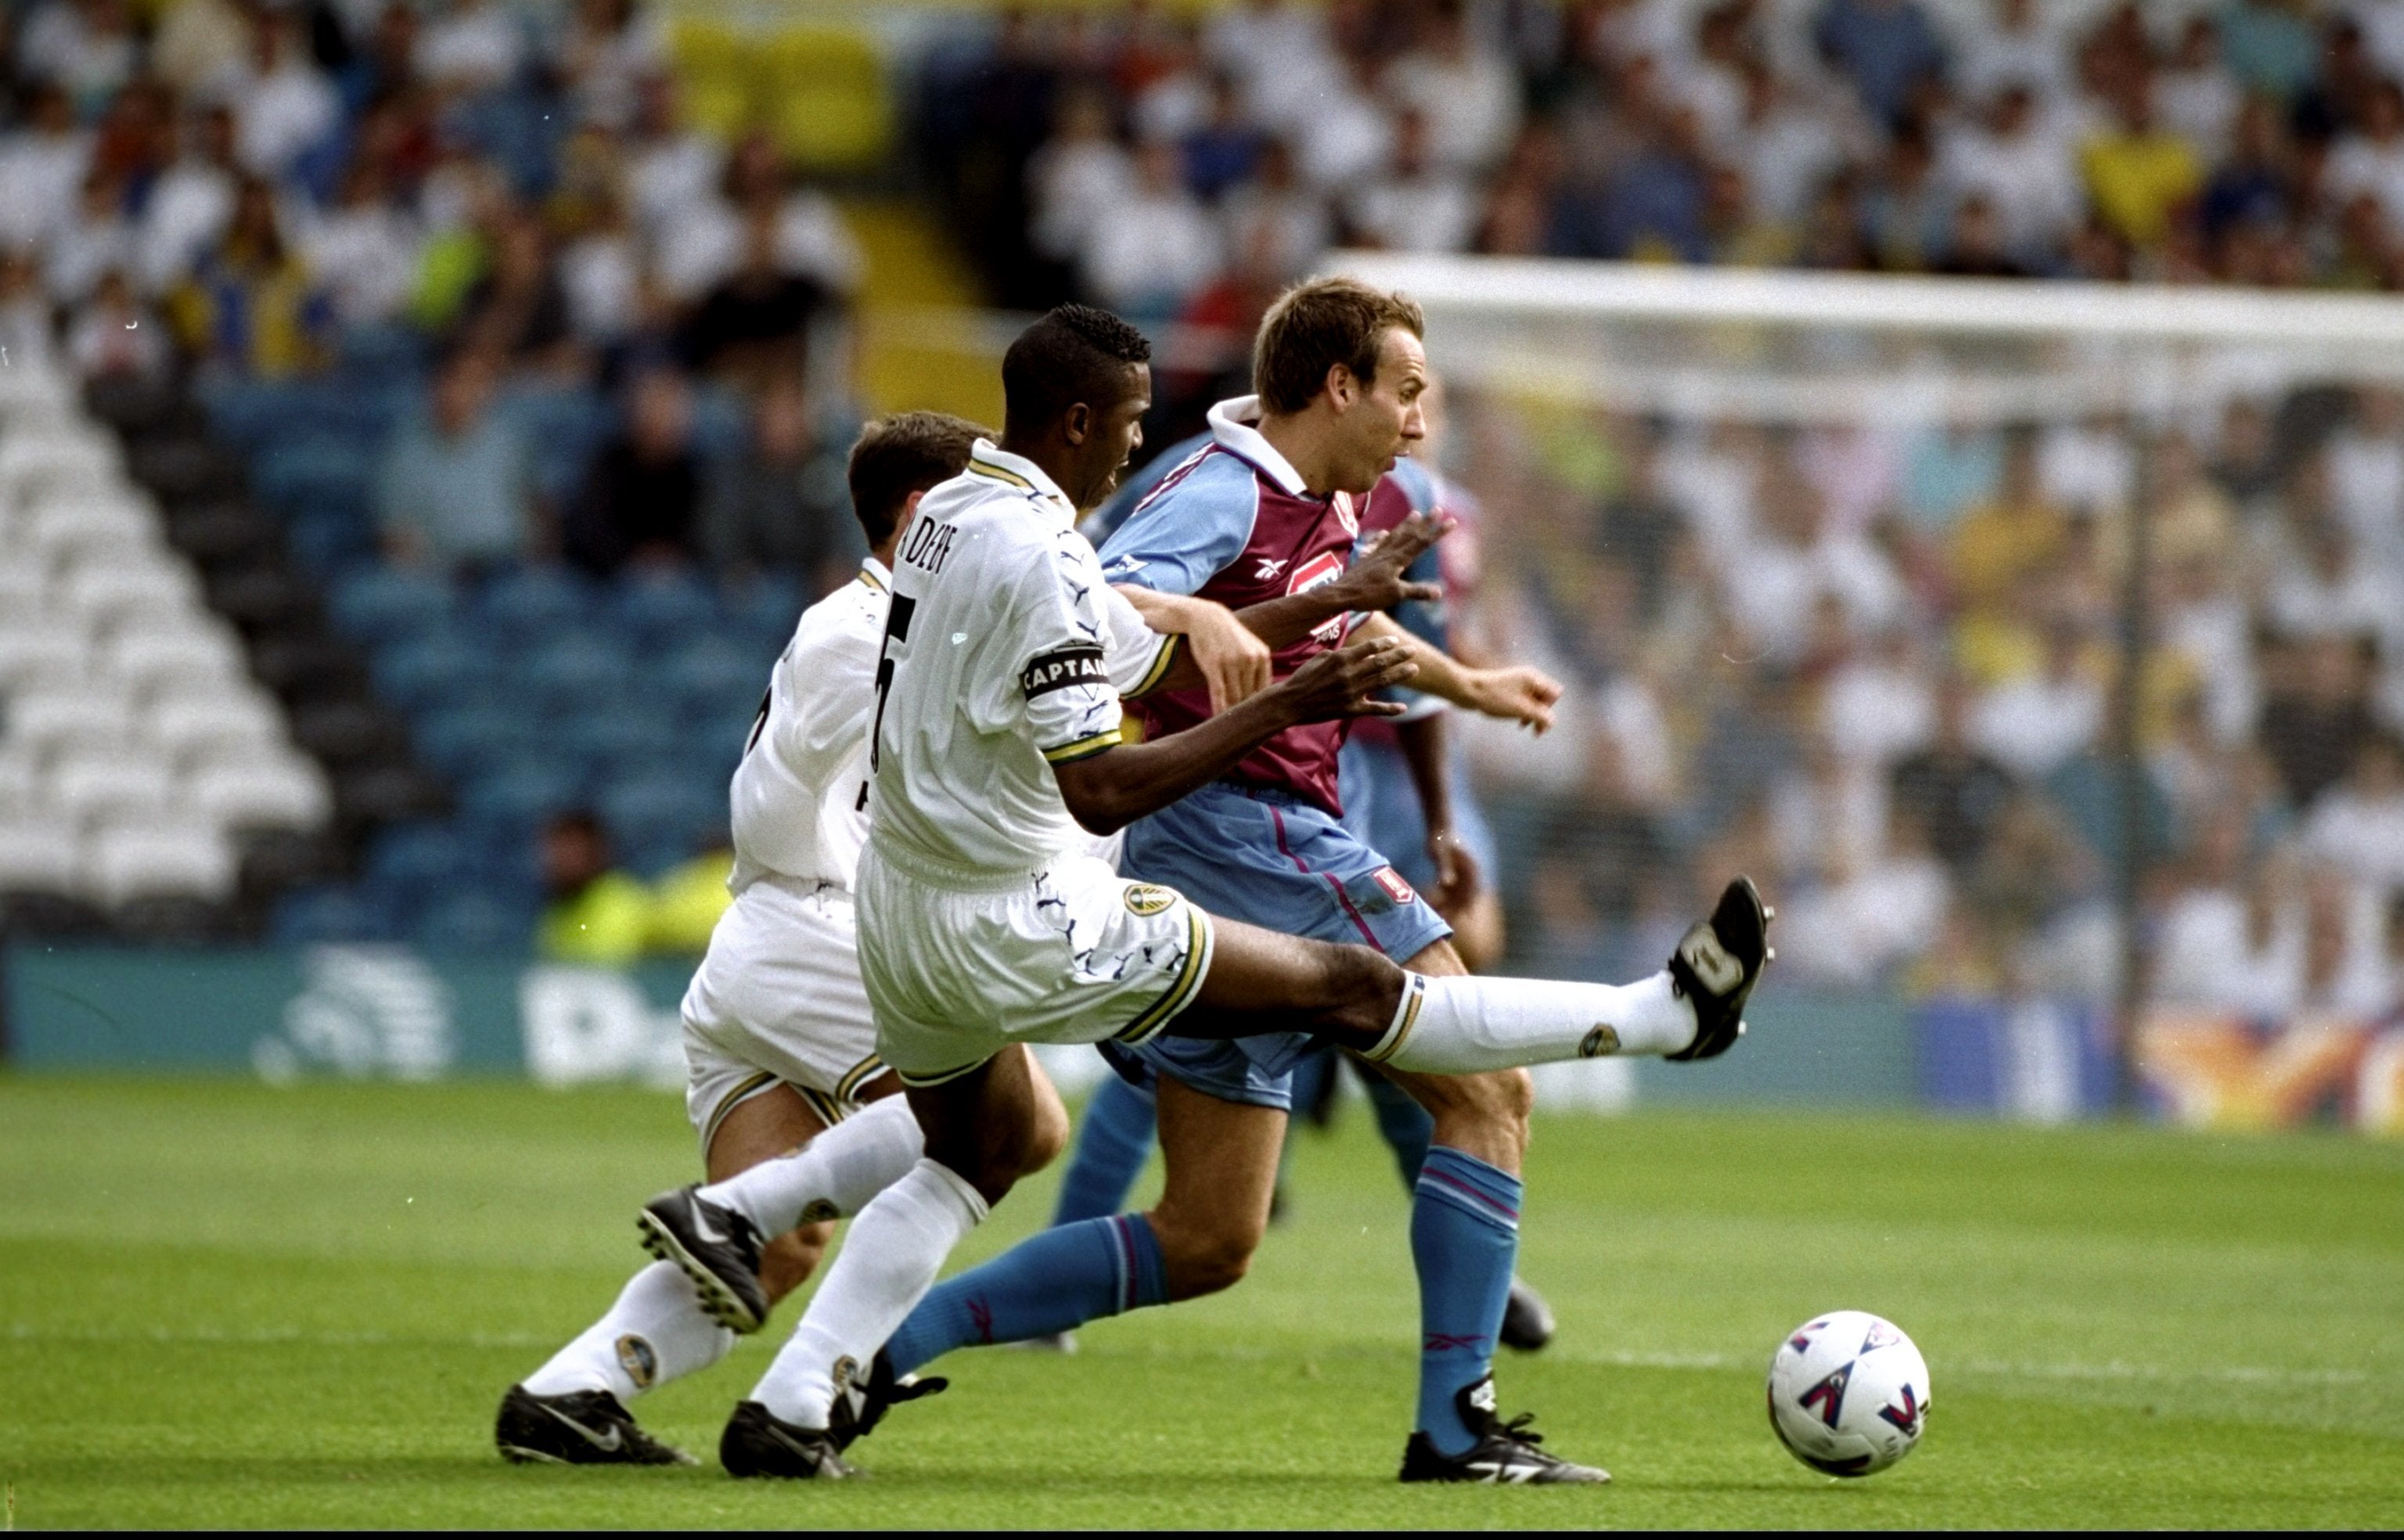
(785, 1084)
(995, 751)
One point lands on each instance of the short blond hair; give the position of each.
(1315, 326)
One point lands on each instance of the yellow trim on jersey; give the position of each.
(731, 1099)
(870, 578)
(829, 1112)
(1083, 748)
(1160, 667)
(942, 1076)
(1178, 995)
(847, 1088)
(1010, 478)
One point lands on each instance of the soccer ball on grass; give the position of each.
(1847, 1393)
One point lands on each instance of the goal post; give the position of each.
(1582, 398)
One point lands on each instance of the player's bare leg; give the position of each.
(1220, 1160)
(984, 1130)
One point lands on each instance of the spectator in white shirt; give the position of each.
(706, 241)
(1348, 133)
(602, 271)
(99, 238)
(2365, 468)
(1417, 205)
(670, 169)
(2230, 938)
(1149, 251)
(2371, 160)
(2021, 46)
(84, 47)
(1276, 217)
(2358, 824)
(1080, 171)
(114, 337)
(192, 199)
(1785, 144)
(25, 331)
(365, 250)
(2196, 97)
(286, 105)
(1795, 560)
(471, 45)
(2032, 725)
(1888, 911)
(1878, 704)
(1464, 89)
(41, 168)
(608, 49)
(2022, 172)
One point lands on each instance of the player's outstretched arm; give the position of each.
(1112, 789)
(1219, 651)
(1519, 694)
(1373, 583)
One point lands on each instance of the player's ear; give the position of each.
(1077, 424)
(1341, 387)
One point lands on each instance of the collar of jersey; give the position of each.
(877, 575)
(995, 463)
(1231, 428)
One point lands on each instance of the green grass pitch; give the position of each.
(226, 1305)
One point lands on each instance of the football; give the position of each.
(1847, 1393)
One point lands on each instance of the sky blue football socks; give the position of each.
(1052, 1281)
(1112, 1143)
(1465, 1245)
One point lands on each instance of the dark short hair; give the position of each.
(894, 457)
(1313, 326)
(1074, 354)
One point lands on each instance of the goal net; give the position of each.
(2038, 644)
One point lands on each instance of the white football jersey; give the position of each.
(799, 801)
(1004, 652)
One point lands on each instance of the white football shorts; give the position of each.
(778, 998)
(1074, 954)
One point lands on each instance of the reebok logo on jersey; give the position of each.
(1064, 669)
(1270, 566)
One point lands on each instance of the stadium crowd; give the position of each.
(1888, 670)
(506, 344)
(1171, 167)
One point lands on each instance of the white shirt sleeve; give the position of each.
(1140, 657)
(1059, 637)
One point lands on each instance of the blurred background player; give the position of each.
(1389, 774)
(778, 1042)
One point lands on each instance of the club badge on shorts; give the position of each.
(1144, 898)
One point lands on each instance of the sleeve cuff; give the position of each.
(1083, 749)
(1170, 645)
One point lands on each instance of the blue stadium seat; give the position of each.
(473, 921)
(316, 472)
(519, 796)
(329, 543)
(414, 861)
(431, 671)
(663, 609)
(526, 605)
(621, 739)
(249, 412)
(707, 674)
(382, 605)
(578, 672)
(313, 916)
(661, 808)
(767, 606)
(464, 740)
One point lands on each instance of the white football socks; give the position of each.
(834, 1175)
(656, 1331)
(1466, 1025)
(888, 1262)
